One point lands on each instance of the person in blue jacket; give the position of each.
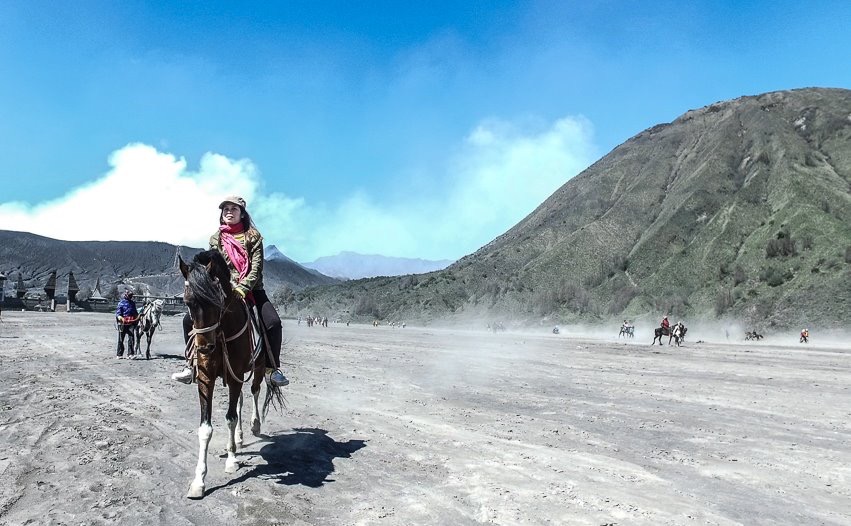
(127, 317)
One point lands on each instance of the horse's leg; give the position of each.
(136, 335)
(149, 334)
(205, 433)
(232, 417)
(257, 381)
(239, 438)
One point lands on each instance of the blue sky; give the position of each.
(401, 128)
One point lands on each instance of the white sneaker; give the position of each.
(278, 379)
(184, 376)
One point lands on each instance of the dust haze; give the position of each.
(434, 425)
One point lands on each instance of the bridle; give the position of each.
(191, 346)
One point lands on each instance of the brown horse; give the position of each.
(676, 332)
(221, 340)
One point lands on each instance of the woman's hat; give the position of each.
(233, 199)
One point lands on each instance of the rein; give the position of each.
(191, 347)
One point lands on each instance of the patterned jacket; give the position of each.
(127, 309)
(253, 243)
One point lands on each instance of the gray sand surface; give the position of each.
(429, 426)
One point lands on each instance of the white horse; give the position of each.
(149, 321)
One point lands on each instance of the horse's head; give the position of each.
(206, 285)
(157, 310)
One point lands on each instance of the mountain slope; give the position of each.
(351, 265)
(148, 264)
(739, 208)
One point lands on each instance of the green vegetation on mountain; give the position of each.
(738, 209)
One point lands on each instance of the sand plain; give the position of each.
(430, 426)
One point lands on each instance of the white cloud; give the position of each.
(500, 174)
(146, 195)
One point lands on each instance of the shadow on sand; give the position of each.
(158, 356)
(305, 457)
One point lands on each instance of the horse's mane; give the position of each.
(207, 287)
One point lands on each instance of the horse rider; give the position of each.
(127, 317)
(241, 244)
(666, 325)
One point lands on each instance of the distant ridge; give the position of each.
(351, 265)
(147, 264)
(737, 210)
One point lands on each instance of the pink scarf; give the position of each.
(234, 249)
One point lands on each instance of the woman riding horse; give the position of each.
(241, 245)
(222, 343)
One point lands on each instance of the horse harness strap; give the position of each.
(235, 336)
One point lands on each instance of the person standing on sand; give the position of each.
(241, 244)
(127, 317)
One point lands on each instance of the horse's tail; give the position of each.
(274, 394)
(274, 399)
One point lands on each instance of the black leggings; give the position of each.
(269, 319)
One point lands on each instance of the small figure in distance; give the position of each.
(805, 336)
(127, 317)
(666, 326)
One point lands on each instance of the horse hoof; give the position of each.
(195, 492)
(255, 428)
(231, 467)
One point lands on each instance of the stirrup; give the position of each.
(278, 379)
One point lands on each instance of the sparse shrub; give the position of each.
(811, 160)
(607, 269)
(723, 271)
(739, 275)
(621, 298)
(771, 276)
(84, 293)
(543, 303)
(596, 278)
(848, 254)
(763, 158)
(366, 306)
(675, 304)
(772, 249)
(807, 243)
(283, 296)
(723, 302)
(111, 292)
(783, 246)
